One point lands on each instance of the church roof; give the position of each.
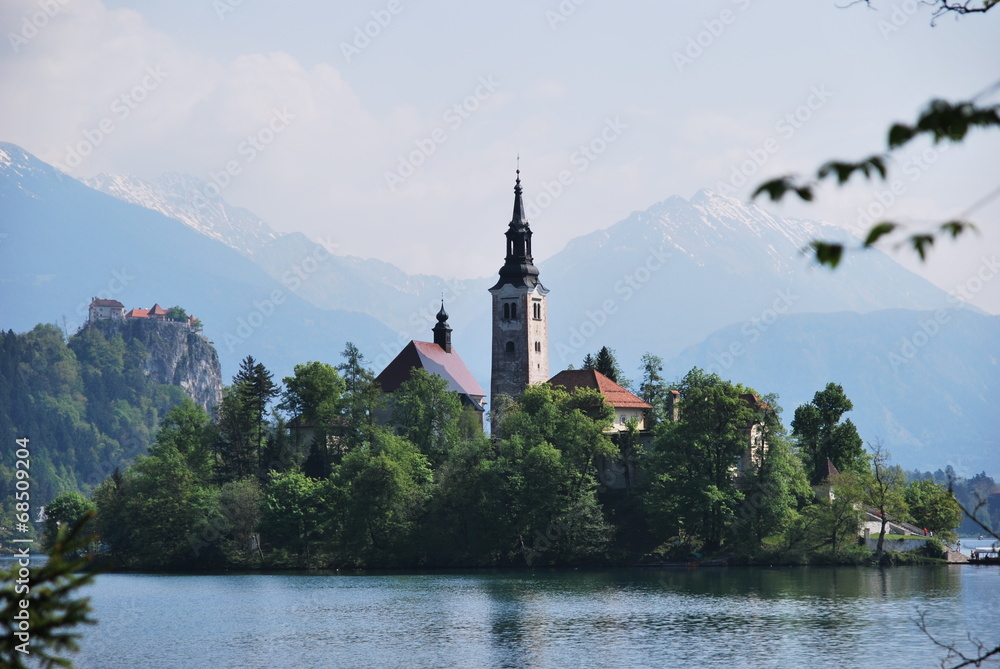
(614, 394)
(433, 359)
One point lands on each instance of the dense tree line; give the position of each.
(84, 403)
(324, 470)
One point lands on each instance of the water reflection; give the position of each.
(715, 617)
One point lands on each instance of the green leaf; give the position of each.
(878, 231)
(826, 253)
(921, 243)
(955, 228)
(900, 134)
(775, 188)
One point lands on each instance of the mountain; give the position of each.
(710, 281)
(925, 383)
(405, 303)
(65, 243)
(667, 277)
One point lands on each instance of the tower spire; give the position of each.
(442, 331)
(518, 268)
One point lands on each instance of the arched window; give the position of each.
(537, 308)
(506, 311)
(509, 348)
(538, 347)
(513, 311)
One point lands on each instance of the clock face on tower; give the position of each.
(520, 331)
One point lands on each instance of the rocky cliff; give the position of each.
(177, 355)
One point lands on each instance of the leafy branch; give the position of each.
(51, 606)
(941, 121)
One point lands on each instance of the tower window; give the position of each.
(506, 311)
(509, 348)
(537, 309)
(538, 347)
(513, 311)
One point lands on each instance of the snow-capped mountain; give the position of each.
(710, 282)
(189, 200)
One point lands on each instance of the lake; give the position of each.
(721, 617)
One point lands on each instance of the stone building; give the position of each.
(520, 349)
(102, 310)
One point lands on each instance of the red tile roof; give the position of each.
(157, 310)
(614, 394)
(107, 303)
(433, 359)
(137, 313)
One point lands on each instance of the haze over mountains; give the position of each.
(711, 282)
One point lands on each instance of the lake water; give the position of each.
(720, 617)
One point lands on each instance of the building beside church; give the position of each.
(626, 404)
(436, 357)
(520, 349)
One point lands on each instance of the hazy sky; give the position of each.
(391, 127)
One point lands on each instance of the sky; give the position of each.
(391, 129)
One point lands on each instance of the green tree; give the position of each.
(362, 396)
(470, 519)
(934, 507)
(383, 490)
(255, 387)
(552, 442)
(833, 521)
(606, 363)
(313, 396)
(691, 486)
(293, 512)
(774, 488)
(653, 388)
(177, 314)
(66, 509)
(822, 436)
(427, 413)
(48, 600)
(883, 490)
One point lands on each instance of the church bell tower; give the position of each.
(520, 326)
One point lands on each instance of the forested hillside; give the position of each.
(85, 403)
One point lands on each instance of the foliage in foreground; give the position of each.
(39, 608)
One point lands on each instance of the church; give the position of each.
(520, 339)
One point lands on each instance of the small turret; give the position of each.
(442, 331)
